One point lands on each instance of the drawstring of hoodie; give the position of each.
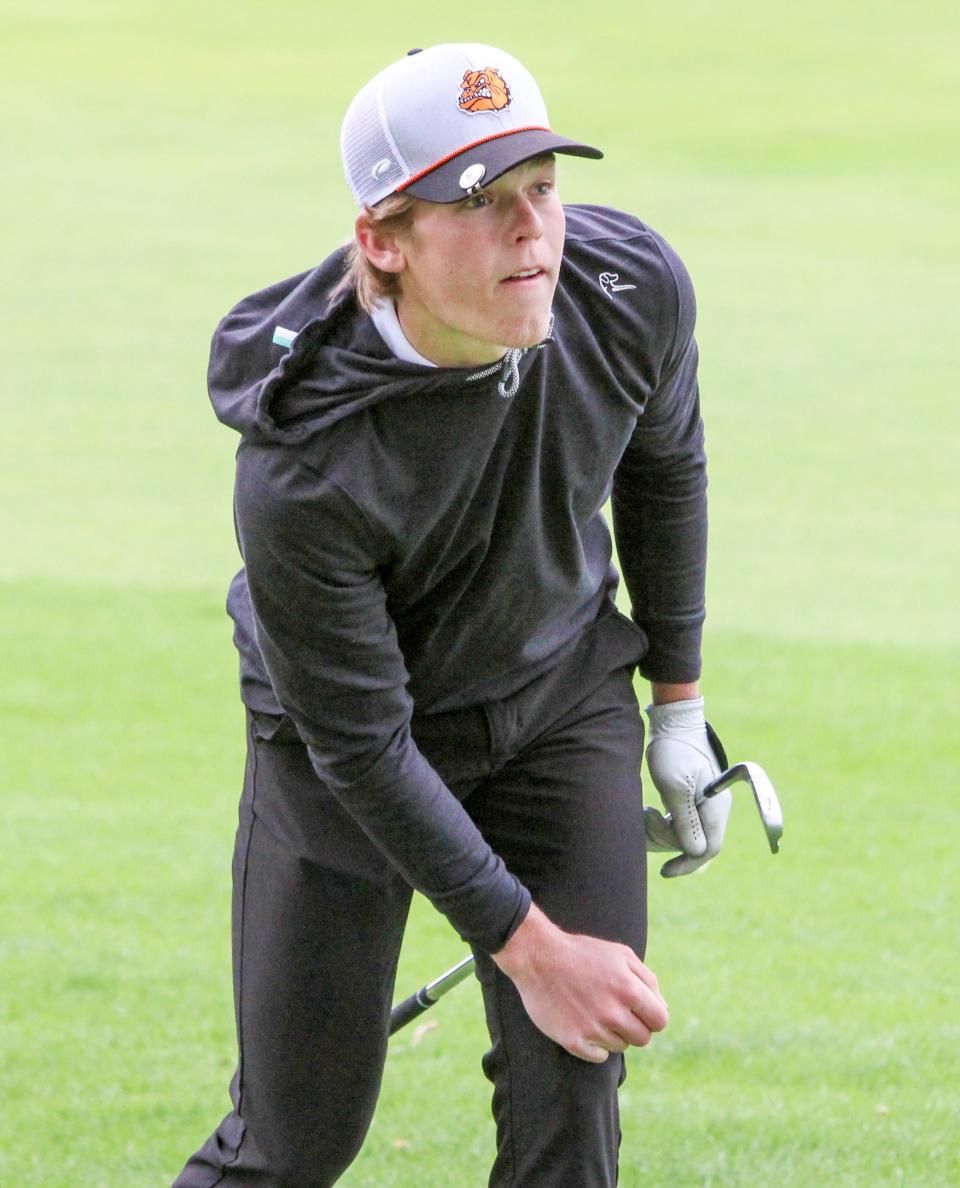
(509, 366)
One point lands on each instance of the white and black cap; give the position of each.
(443, 122)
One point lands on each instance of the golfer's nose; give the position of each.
(529, 225)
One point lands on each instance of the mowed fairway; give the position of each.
(163, 159)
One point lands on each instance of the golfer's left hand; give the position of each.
(682, 761)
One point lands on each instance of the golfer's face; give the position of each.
(480, 274)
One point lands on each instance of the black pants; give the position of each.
(319, 915)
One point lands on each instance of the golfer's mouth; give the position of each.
(525, 276)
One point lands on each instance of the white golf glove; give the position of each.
(682, 760)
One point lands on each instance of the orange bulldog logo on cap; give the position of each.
(483, 90)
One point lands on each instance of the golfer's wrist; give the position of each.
(664, 692)
(523, 947)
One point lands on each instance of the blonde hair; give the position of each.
(393, 215)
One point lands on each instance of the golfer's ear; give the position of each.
(381, 249)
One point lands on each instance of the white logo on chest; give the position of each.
(608, 282)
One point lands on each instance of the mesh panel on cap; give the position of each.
(373, 166)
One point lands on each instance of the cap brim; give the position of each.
(497, 155)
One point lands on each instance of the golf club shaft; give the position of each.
(716, 786)
(425, 997)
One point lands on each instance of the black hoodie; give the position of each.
(414, 538)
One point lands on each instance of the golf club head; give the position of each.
(768, 805)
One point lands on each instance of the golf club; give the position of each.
(768, 806)
(771, 815)
(425, 997)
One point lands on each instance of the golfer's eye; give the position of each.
(477, 202)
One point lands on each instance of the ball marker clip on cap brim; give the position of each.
(771, 815)
(442, 122)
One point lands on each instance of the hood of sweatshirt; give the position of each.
(286, 362)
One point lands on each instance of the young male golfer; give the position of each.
(439, 688)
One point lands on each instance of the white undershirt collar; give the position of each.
(384, 316)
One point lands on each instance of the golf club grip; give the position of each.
(406, 1011)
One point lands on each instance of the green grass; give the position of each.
(164, 159)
